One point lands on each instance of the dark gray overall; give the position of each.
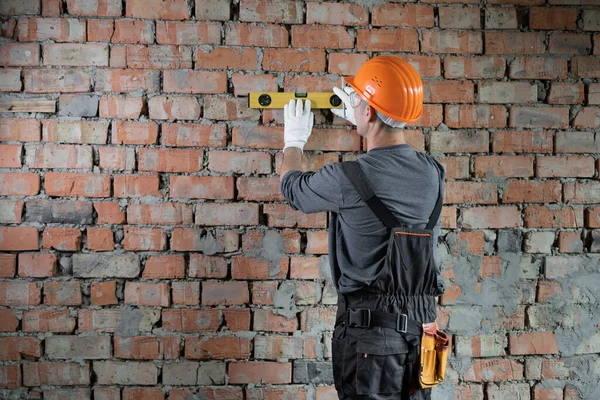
(375, 344)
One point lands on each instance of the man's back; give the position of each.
(406, 181)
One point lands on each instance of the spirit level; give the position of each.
(280, 99)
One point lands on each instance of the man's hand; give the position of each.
(298, 124)
(348, 111)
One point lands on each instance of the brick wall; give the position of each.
(146, 252)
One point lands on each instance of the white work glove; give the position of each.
(348, 111)
(298, 123)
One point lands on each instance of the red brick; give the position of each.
(74, 132)
(9, 321)
(202, 266)
(164, 267)
(158, 57)
(144, 239)
(11, 211)
(456, 17)
(345, 63)
(77, 185)
(19, 54)
(147, 294)
(194, 82)
(566, 93)
(474, 67)
(254, 240)
(539, 117)
(593, 217)
(547, 393)
(553, 18)
(507, 92)
(449, 92)
(515, 43)
(316, 242)
(313, 319)
(336, 14)
(132, 31)
(327, 37)
(400, 15)
(279, 11)
(565, 166)
(100, 8)
(202, 187)
(170, 160)
(125, 373)
(547, 290)
(56, 29)
(186, 293)
(456, 167)
(491, 217)
(201, 135)
(501, 18)
(65, 239)
(131, 132)
(388, 39)
(294, 60)
(100, 30)
(127, 80)
(239, 34)
(13, 7)
(188, 33)
(62, 293)
(227, 58)
(218, 10)
(259, 189)
(266, 320)
(67, 54)
(587, 117)
(19, 293)
(451, 42)
(136, 185)
(532, 343)
(181, 107)
(120, 106)
(258, 268)
(217, 348)
(143, 393)
(233, 109)
(190, 320)
(281, 215)
(519, 191)
(100, 239)
(103, 293)
(10, 376)
(8, 265)
(10, 80)
(19, 348)
(584, 67)
(20, 129)
(494, 370)
(570, 242)
(59, 156)
(263, 292)
(117, 158)
(160, 214)
(210, 214)
(475, 116)
(458, 192)
(546, 217)
(305, 84)
(10, 155)
(570, 43)
(503, 166)
(48, 321)
(184, 239)
(522, 142)
(225, 293)
(244, 84)
(582, 192)
(56, 80)
(538, 68)
(19, 184)
(18, 238)
(157, 9)
(109, 213)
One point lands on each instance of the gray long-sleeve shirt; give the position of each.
(405, 180)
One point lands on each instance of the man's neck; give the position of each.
(379, 138)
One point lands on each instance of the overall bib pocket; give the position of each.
(380, 364)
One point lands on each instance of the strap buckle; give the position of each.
(359, 317)
(401, 323)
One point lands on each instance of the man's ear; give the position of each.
(370, 113)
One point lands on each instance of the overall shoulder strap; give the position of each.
(358, 179)
(435, 215)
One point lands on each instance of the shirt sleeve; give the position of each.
(312, 192)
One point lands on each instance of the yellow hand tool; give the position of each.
(280, 99)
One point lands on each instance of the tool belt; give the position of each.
(434, 356)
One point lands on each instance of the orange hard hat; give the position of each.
(391, 86)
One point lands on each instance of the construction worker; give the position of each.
(387, 279)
